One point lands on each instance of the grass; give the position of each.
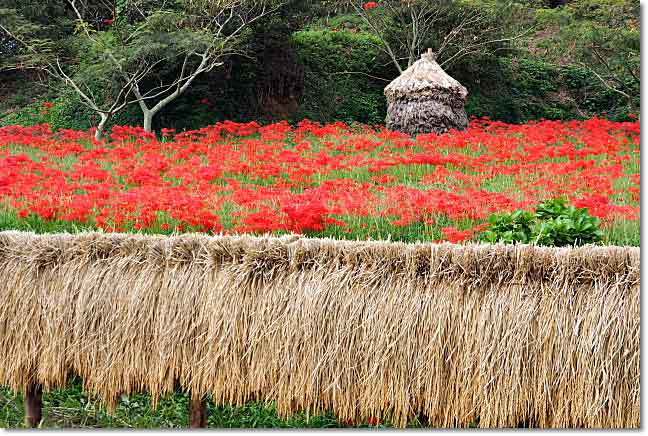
(72, 408)
(381, 228)
(621, 232)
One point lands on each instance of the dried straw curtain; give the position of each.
(487, 334)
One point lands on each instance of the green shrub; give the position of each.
(68, 113)
(342, 76)
(341, 67)
(519, 90)
(335, 70)
(510, 227)
(29, 115)
(561, 224)
(554, 223)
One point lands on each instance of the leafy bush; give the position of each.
(510, 227)
(554, 223)
(341, 68)
(561, 224)
(603, 36)
(308, 61)
(342, 72)
(520, 90)
(67, 112)
(27, 116)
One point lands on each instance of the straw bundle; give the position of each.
(426, 99)
(493, 334)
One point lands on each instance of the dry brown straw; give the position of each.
(493, 335)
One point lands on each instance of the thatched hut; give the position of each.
(425, 99)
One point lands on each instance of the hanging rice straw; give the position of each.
(493, 335)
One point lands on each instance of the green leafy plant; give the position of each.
(510, 227)
(561, 224)
(554, 223)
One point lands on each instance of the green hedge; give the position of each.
(507, 89)
(68, 113)
(344, 73)
(519, 90)
(338, 82)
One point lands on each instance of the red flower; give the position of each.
(167, 133)
(454, 235)
(313, 177)
(369, 5)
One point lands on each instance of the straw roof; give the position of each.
(424, 77)
(425, 99)
(488, 334)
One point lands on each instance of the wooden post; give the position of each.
(198, 413)
(33, 405)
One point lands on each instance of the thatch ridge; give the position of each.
(502, 334)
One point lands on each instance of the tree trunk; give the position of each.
(148, 120)
(101, 126)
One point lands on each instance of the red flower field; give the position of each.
(334, 179)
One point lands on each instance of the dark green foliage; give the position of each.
(561, 224)
(71, 407)
(555, 223)
(520, 90)
(338, 70)
(602, 36)
(313, 59)
(68, 113)
(504, 89)
(510, 227)
(263, 86)
(46, 20)
(29, 115)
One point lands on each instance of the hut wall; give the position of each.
(425, 116)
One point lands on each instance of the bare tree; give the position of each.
(132, 60)
(206, 33)
(405, 29)
(40, 54)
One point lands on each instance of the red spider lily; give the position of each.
(46, 107)
(452, 234)
(167, 133)
(307, 178)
